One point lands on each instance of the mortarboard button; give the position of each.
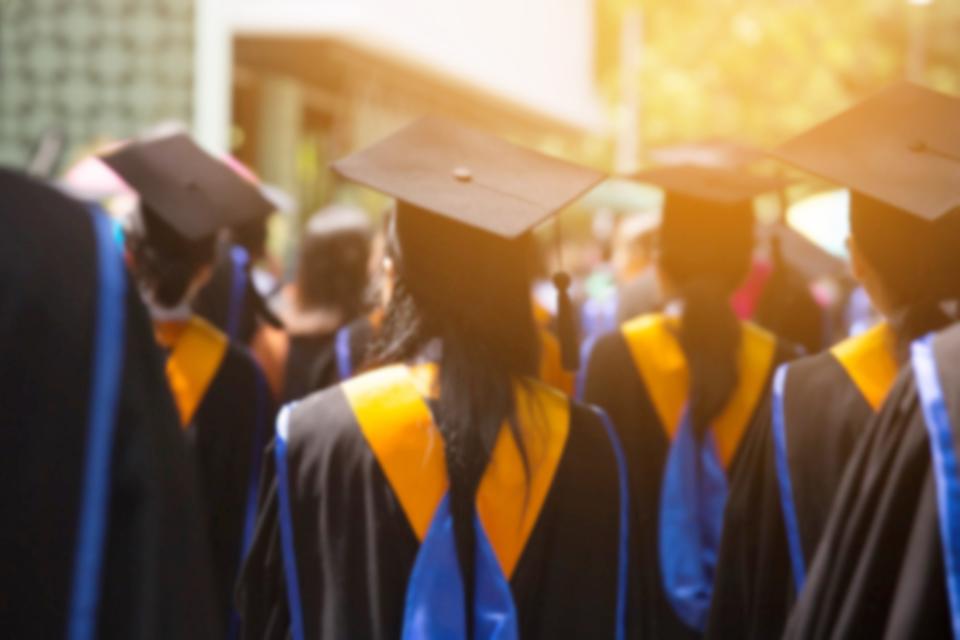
(520, 188)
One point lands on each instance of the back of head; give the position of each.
(915, 262)
(252, 236)
(786, 305)
(705, 253)
(166, 263)
(469, 288)
(334, 257)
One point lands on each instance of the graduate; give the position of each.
(795, 456)
(224, 406)
(681, 388)
(887, 566)
(446, 493)
(330, 325)
(102, 532)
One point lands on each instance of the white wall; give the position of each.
(537, 52)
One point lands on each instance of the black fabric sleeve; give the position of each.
(565, 585)
(261, 592)
(157, 578)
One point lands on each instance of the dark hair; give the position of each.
(915, 261)
(705, 251)
(470, 290)
(252, 236)
(786, 306)
(165, 261)
(334, 260)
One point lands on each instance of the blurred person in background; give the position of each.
(103, 534)
(786, 305)
(682, 387)
(634, 257)
(446, 492)
(331, 293)
(794, 458)
(186, 199)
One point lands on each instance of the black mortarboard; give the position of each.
(468, 176)
(710, 184)
(191, 191)
(478, 180)
(900, 147)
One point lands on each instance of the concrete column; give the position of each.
(212, 78)
(279, 128)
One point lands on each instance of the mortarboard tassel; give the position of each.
(566, 323)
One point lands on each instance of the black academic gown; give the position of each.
(354, 541)
(229, 429)
(879, 570)
(155, 579)
(303, 356)
(613, 382)
(333, 360)
(827, 401)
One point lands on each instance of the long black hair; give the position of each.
(705, 252)
(469, 290)
(916, 262)
(165, 261)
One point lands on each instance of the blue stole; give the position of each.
(946, 471)
(693, 494)
(238, 290)
(105, 380)
(341, 346)
(784, 482)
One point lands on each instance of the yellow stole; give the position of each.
(868, 358)
(396, 422)
(662, 367)
(196, 349)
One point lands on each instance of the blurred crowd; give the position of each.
(689, 422)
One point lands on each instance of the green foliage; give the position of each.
(762, 70)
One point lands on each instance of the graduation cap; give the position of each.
(713, 184)
(707, 210)
(477, 180)
(468, 176)
(900, 147)
(191, 191)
